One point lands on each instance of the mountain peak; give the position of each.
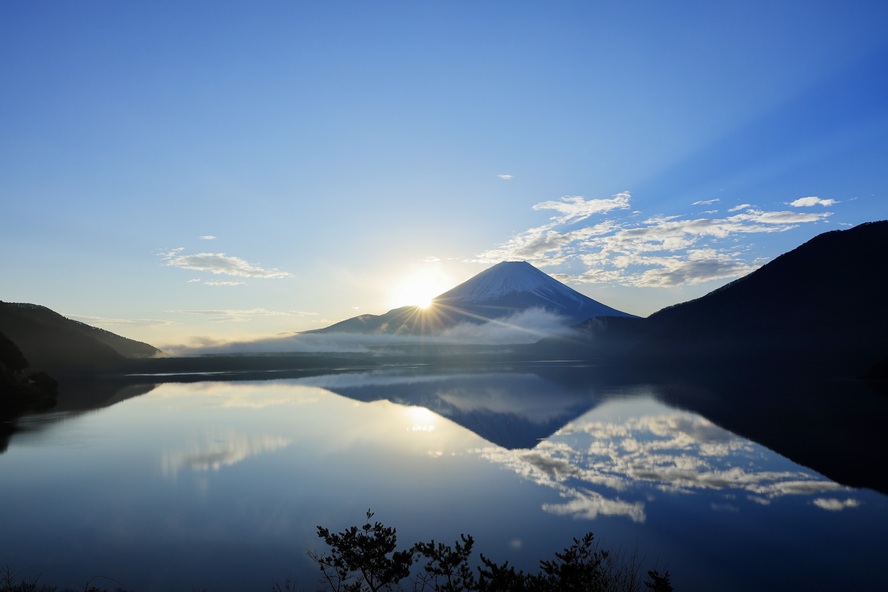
(518, 285)
(499, 292)
(504, 278)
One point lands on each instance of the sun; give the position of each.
(413, 293)
(420, 287)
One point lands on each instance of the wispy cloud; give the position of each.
(807, 202)
(660, 251)
(208, 237)
(220, 264)
(102, 321)
(233, 315)
(505, 177)
(706, 202)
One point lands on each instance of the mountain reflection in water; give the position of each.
(220, 485)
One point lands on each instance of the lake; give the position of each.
(220, 485)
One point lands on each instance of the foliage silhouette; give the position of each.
(366, 559)
(657, 582)
(447, 568)
(363, 558)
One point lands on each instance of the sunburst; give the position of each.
(420, 288)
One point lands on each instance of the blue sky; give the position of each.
(203, 171)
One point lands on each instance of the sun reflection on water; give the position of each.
(422, 419)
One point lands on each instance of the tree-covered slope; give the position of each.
(60, 345)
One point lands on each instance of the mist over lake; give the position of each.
(220, 485)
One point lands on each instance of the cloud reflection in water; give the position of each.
(617, 467)
(220, 450)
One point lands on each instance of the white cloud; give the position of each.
(807, 202)
(220, 263)
(208, 237)
(706, 202)
(660, 251)
(505, 177)
(778, 218)
(576, 208)
(694, 269)
(542, 245)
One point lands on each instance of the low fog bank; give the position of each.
(521, 328)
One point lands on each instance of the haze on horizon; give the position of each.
(215, 171)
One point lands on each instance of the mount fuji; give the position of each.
(501, 292)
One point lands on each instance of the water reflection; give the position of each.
(510, 409)
(222, 484)
(234, 422)
(220, 450)
(617, 467)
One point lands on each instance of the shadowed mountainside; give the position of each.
(21, 389)
(59, 345)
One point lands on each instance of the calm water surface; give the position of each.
(220, 486)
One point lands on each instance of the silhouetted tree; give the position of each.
(579, 568)
(447, 568)
(657, 582)
(494, 577)
(363, 558)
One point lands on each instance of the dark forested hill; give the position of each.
(20, 389)
(60, 345)
(825, 301)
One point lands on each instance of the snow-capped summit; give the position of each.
(505, 290)
(513, 286)
(503, 279)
